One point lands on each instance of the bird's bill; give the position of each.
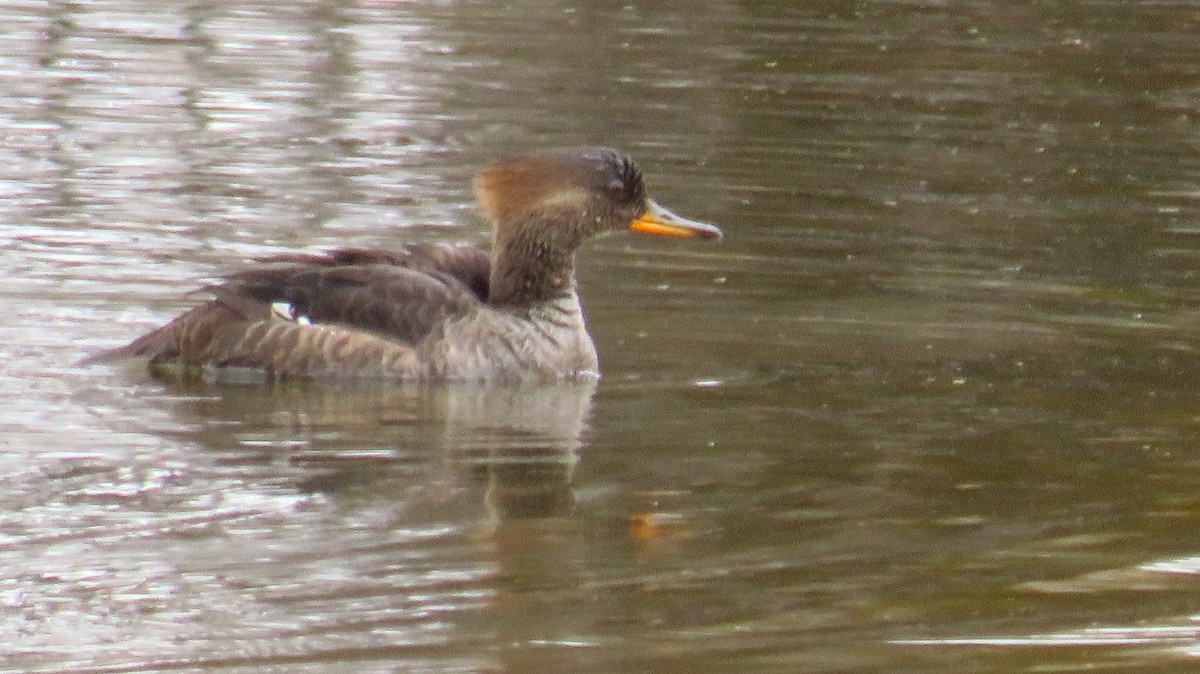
(658, 220)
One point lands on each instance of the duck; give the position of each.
(429, 311)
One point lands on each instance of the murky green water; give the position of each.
(931, 405)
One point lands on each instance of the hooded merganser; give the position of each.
(430, 312)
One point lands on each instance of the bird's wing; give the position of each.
(394, 302)
(355, 311)
(469, 265)
(236, 331)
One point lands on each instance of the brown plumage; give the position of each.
(430, 311)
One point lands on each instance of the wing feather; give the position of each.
(365, 308)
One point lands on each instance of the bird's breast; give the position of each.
(548, 340)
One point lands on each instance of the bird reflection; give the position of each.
(513, 447)
(522, 442)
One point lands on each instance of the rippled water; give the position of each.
(931, 405)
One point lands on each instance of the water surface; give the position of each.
(929, 407)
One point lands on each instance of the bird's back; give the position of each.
(349, 312)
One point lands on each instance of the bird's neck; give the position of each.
(531, 266)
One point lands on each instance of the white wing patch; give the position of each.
(287, 312)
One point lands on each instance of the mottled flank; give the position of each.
(428, 311)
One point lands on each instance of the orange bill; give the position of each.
(658, 220)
